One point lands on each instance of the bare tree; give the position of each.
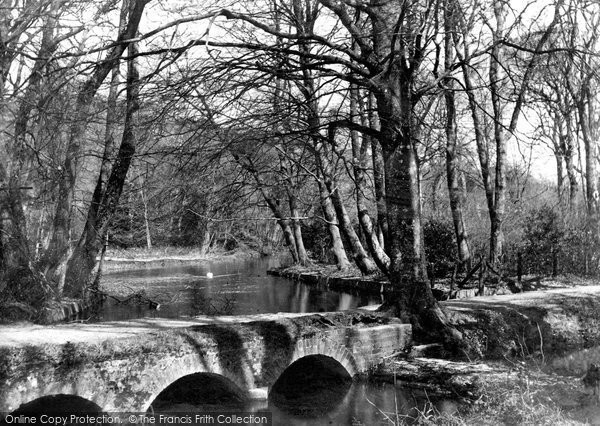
(497, 92)
(449, 87)
(58, 252)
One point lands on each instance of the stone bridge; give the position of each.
(124, 366)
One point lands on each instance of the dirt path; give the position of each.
(549, 324)
(548, 298)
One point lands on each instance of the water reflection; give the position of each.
(354, 403)
(237, 288)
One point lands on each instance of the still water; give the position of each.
(236, 288)
(304, 395)
(354, 403)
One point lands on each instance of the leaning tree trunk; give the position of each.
(282, 221)
(325, 170)
(57, 254)
(360, 256)
(300, 249)
(337, 245)
(360, 145)
(84, 258)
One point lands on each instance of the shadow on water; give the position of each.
(303, 398)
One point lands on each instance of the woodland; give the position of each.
(400, 137)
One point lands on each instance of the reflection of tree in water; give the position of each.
(311, 387)
(222, 303)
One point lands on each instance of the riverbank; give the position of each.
(136, 258)
(528, 353)
(56, 311)
(351, 280)
(330, 278)
(493, 393)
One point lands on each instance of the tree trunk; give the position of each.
(288, 233)
(293, 202)
(284, 223)
(360, 145)
(570, 164)
(378, 176)
(146, 220)
(337, 246)
(462, 239)
(325, 170)
(589, 130)
(205, 245)
(16, 253)
(359, 255)
(392, 54)
(497, 218)
(361, 258)
(83, 260)
(57, 252)
(395, 105)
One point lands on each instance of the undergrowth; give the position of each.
(528, 396)
(499, 405)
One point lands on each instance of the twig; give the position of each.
(388, 418)
(541, 343)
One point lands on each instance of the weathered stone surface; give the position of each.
(123, 366)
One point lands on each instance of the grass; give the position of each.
(528, 396)
(523, 404)
(327, 270)
(135, 253)
(134, 257)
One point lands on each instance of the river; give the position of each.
(353, 403)
(311, 396)
(236, 288)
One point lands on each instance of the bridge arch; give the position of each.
(318, 345)
(252, 356)
(192, 367)
(318, 379)
(198, 389)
